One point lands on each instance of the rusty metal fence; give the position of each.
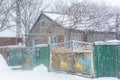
(75, 59)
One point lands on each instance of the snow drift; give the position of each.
(3, 64)
(41, 68)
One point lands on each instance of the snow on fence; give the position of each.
(72, 57)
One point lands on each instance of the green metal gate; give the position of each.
(107, 60)
(42, 54)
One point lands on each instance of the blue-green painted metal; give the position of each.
(42, 55)
(15, 56)
(29, 57)
(107, 60)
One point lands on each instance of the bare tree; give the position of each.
(89, 16)
(59, 6)
(25, 14)
(5, 8)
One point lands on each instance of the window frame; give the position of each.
(43, 23)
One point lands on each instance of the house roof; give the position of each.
(66, 22)
(7, 33)
(61, 19)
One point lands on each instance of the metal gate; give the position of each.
(75, 59)
(42, 55)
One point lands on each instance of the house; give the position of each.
(8, 37)
(49, 29)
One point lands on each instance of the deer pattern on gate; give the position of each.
(64, 65)
(78, 66)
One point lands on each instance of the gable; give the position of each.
(49, 23)
(36, 28)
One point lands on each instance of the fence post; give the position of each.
(92, 65)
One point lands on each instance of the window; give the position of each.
(52, 40)
(75, 37)
(43, 23)
(36, 41)
(66, 39)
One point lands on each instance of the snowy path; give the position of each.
(37, 74)
(40, 73)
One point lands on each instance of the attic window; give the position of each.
(42, 23)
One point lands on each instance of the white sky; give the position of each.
(110, 2)
(115, 3)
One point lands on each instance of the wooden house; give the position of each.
(49, 29)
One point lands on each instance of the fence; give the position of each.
(107, 59)
(75, 59)
(72, 57)
(16, 56)
(4, 52)
(27, 57)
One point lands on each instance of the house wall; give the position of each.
(99, 36)
(9, 41)
(90, 37)
(42, 34)
(103, 37)
(60, 38)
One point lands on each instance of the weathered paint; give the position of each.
(107, 60)
(72, 63)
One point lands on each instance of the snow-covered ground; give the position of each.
(39, 73)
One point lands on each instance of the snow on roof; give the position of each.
(41, 45)
(66, 21)
(8, 33)
(63, 20)
(53, 16)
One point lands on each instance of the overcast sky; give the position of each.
(109, 2)
(114, 3)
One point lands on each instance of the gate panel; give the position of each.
(75, 59)
(83, 63)
(37, 55)
(42, 55)
(62, 62)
